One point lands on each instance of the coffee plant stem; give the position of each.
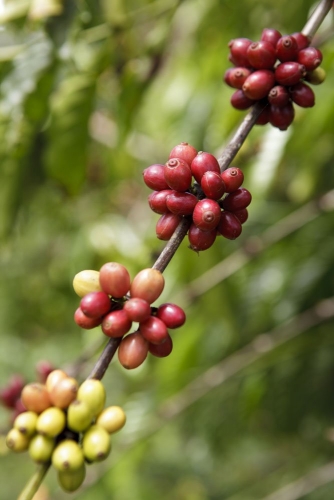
(34, 482)
(105, 358)
(317, 17)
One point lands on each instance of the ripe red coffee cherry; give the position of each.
(132, 350)
(116, 324)
(302, 40)
(12, 391)
(178, 174)
(153, 330)
(238, 51)
(240, 101)
(242, 215)
(261, 55)
(213, 185)
(95, 304)
(258, 84)
(181, 203)
(148, 284)
(263, 117)
(287, 49)
(233, 178)
(201, 240)
(229, 226)
(206, 214)
(235, 77)
(302, 95)
(161, 350)
(166, 226)
(279, 96)
(157, 201)
(184, 151)
(202, 163)
(114, 279)
(271, 36)
(172, 315)
(289, 73)
(237, 200)
(84, 321)
(310, 57)
(281, 117)
(137, 309)
(154, 177)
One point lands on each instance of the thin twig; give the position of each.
(317, 18)
(34, 482)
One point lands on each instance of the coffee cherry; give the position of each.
(235, 77)
(261, 55)
(178, 174)
(137, 309)
(240, 101)
(71, 480)
(154, 177)
(92, 391)
(53, 378)
(302, 40)
(240, 198)
(184, 151)
(229, 226)
(43, 370)
(233, 177)
(281, 117)
(116, 324)
(68, 455)
(17, 441)
(242, 215)
(181, 203)
(132, 351)
(157, 201)
(289, 73)
(85, 282)
(41, 448)
(112, 419)
(238, 51)
(96, 444)
(213, 185)
(310, 58)
(202, 163)
(302, 95)
(287, 49)
(316, 77)
(148, 285)
(26, 423)
(10, 394)
(263, 117)
(35, 397)
(270, 35)
(114, 279)
(258, 84)
(161, 350)
(166, 226)
(64, 392)
(84, 321)
(172, 315)
(51, 422)
(200, 240)
(153, 330)
(79, 416)
(279, 96)
(206, 214)
(95, 304)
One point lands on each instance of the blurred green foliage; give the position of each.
(91, 93)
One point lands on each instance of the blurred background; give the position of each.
(91, 93)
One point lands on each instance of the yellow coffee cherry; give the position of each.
(96, 444)
(67, 456)
(112, 419)
(26, 423)
(79, 416)
(71, 480)
(86, 281)
(41, 448)
(51, 422)
(17, 441)
(92, 391)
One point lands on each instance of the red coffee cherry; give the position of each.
(289, 73)
(12, 391)
(178, 174)
(95, 304)
(240, 101)
(261, 55)
(263, 117)
(116, 324)
(161, 350)
(235, 77)
(157, 201)
(166, 226)
(237, 200)
(258, 84)
(132, 350)
(202, 163)
(281, 117)
(242, 215)
(184, 151)
(310, 57)
(181, 203)
(172, 315)
(148, 284)
(84, 321)
(271, 36)
(229, 226)
(154, 177)
(233, 177)
(137, 309)
(206, 214)
(201, 240)
(287, 49)
(302, 40)
(238, 51)
(213, 185)
(114, 279)
(302, 95)
(279, 96)
(154, 330)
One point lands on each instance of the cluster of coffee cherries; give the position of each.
(65, 424)
(274, 70)
(190, 184)
(112, 300)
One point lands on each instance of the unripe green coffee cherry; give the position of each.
(86, 281)
(51, 422)
(67, 456)
(79, 416)
(92, 391)
(17, 441)
(112, 419)
(41, 448)
(96, 444)
(26, 423)
(71, 480)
